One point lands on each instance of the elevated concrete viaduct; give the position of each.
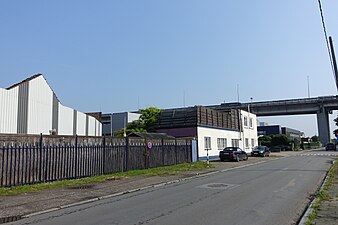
(321, 106)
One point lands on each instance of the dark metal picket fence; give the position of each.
(28, 164)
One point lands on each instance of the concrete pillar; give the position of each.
(323, 126)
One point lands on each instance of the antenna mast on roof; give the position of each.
(238, 93)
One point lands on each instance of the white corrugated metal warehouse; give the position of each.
(31, 107)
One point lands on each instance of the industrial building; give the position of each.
(31, 107)
(112, 122)
(277, 129)
(214, 130)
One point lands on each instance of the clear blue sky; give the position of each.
(115, 55)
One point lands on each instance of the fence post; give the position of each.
(10, 166)
(29, 178)
(104, 155)
(76, 159)
(40, 158)
(14, 169)
(46, 148)
(18, 170)
(126, 155)
(186, 151)
(145, 153)
(6, 173)
(176, 156)
(148, 153)
(162, 151)
(22, 164)
(2, 164)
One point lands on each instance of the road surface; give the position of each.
(274, 192)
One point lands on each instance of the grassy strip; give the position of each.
(323, 194)
(159, 171)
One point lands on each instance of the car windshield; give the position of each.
(260, 148)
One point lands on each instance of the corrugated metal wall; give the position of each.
(65, 124)
(23, 108)
(40, 104)
(81, 124)
(91, 126)
(31, 107)
(99, 128)
(8, 110)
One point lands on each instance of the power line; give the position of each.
(326, 38)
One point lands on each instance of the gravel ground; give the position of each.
(13, 207)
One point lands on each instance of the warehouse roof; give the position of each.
(29, 79)
(24, 81)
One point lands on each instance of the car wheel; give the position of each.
(246, 158)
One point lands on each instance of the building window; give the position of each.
(207, 143)
(253, 143)
(234, 142)
(261, 132)
(245, 121)
(251, 123)
(221, 143)
(246, 142)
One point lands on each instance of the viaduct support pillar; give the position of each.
(323, 126)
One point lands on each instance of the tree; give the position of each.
(280, 139)
(315, 138)
(136, 126)
(336, 120)
(148, 118)
(145, 123)
(265, 140)
(119, 133)
(296, 144)
(335, 132)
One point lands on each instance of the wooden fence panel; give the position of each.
(156, 154)
(169, 153)
(137, 154)
(28, 164)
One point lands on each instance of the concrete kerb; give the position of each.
(309, 208)
(143, 188)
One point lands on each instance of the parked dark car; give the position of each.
(233, 154)
(261, 151)
(279, 148)
(330, 146)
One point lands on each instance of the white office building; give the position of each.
(213, 139)
(214, 130)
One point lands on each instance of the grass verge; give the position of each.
(323, 194)
(159, 171)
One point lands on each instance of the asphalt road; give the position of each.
(274, 192)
